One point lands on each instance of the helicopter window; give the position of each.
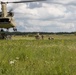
(4, 20)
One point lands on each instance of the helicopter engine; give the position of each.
(10, 14)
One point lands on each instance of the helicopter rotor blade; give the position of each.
(25, 1)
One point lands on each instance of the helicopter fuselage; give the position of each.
(6, 18)
(7, 22)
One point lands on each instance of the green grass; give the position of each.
(38, 57)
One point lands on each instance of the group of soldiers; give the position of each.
(3, 35)
(38, 36)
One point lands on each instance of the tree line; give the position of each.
(42, 33)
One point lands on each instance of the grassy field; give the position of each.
(28, 56)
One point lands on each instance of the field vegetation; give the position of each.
(28, 56)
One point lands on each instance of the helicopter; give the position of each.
(7, 17)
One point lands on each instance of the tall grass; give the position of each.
(38, 57)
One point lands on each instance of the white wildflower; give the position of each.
(17, 58)
(12, 62)
(46, 62)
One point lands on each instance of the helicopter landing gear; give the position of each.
(2, 30)
(15, 29)
(7, 29)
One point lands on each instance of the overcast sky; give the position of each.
(46, 16)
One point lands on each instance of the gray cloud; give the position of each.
(53, 15)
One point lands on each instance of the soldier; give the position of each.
(42, 36)
(2, 34)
